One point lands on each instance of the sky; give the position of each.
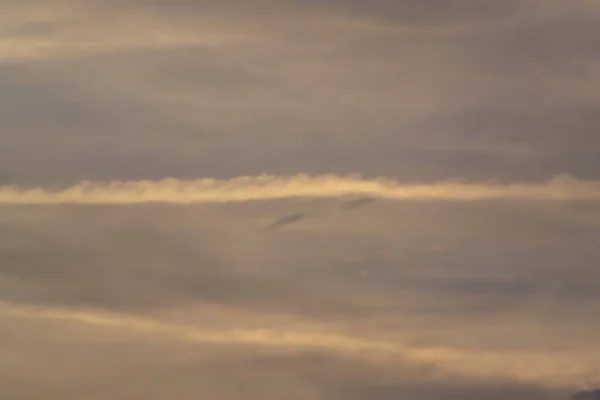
(277, 199)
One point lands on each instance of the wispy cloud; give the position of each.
(459, 105)
(547, 370)
(63, 30)
(16, 49)
(271, 187)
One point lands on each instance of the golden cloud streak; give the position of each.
(561, 371)
(266, 187)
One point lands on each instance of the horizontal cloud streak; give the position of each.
(28, 48)
(267, 187)
(542, 369)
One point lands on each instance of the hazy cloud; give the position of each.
(324, 82)
(145, 144)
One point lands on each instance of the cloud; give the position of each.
(171, 293)
(586, 395)
(537, 368)
(409, 90)
(270, 187)
(476, 247)
(63, 30)
(404, 11)
(287, 220)
(118, 363)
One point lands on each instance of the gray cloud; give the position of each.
(563, 47)
(426, 103)
(460, 276)
(488, 299)
(502, 259)
(586, 394)
(287, 220)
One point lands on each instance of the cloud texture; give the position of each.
(272, 188)
(276, 199)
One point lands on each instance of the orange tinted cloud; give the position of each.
(267, 187)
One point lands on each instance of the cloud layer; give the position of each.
(548, 370)
(406, 89)
(392, 298)
(158, 242)
(271, 188)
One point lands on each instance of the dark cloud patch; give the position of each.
(457, 390)
(343, 378)
(591, 394)
(287, 220)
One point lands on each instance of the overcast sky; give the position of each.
(299, 286)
